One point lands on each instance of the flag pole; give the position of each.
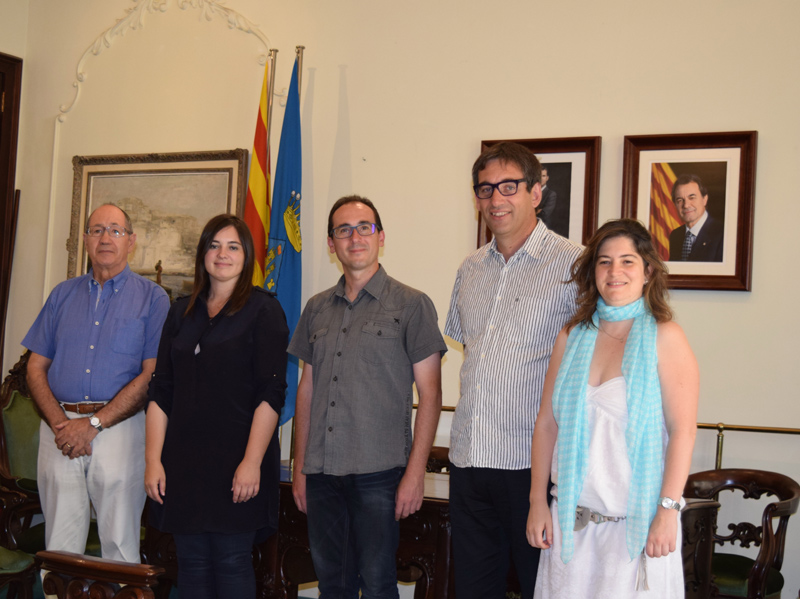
(273, 58)
(299, 51)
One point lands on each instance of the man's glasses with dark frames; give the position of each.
(484, 191)
(364, 229)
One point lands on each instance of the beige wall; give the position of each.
(13, 27)
(396, 98)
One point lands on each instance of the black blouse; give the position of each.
(210, 377)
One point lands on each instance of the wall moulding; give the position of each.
(133, 20)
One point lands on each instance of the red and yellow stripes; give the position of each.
(257, 206)
(663, 214)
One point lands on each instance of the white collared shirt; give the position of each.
(695, 230)
(507, 315)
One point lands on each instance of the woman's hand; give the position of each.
(155, 481)
(663, 535)
(246, 481)
(540, 526)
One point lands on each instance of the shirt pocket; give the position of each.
(378, 342)
(128, 336)
(317, 342)
(532, 322)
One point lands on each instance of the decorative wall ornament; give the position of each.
(135, 19)
(132, 21)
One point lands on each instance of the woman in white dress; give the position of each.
(615, 430)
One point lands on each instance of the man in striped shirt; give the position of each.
(509, 302)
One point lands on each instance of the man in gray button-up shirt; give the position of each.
(357, 470)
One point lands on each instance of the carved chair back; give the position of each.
(769, 538)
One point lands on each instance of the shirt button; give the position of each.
(336, 378)
(478, 387)
(330, 429)
(91, 347)
(344, 330)
(491, 327)
(87, 370)
(85, 397)
(338, 353)
(483, 355)
(380, 333)
(96, 323)
(333, 403)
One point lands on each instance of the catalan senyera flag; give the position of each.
(283, 271)
(664, 217)
(257, 208)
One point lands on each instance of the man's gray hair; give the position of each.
(128, 224)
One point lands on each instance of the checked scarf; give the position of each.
(643, 432)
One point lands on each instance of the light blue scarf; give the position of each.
(642, 436)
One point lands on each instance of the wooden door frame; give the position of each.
(10, 94)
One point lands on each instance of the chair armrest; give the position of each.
(64, 566)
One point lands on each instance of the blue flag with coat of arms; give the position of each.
(283, 262)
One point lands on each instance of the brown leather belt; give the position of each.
(83, 407)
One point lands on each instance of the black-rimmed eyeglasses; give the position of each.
(345, 231)
(113, 231)
(483, 191)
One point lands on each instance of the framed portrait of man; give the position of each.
(695, 192)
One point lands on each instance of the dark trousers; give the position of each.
(216, 565)
(353, 533)
(489, 515)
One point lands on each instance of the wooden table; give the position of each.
(423, 556)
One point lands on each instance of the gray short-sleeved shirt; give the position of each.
(362, 353)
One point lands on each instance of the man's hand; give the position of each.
(408, 498)
(74, 437)
(299, 491)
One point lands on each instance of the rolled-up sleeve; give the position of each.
(271, 340)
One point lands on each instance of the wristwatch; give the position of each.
(669, 504)
(95, 422)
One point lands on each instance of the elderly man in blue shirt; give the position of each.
(94, 347)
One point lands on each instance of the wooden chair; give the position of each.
(698, 522)
(19, 447)
(737, 575)
(17, 573)
(82, 576)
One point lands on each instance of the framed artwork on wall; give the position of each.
(169, 198)
(695, 193)
(570, 185)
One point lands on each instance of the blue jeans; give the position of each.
(353, 533)
(216, 565)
